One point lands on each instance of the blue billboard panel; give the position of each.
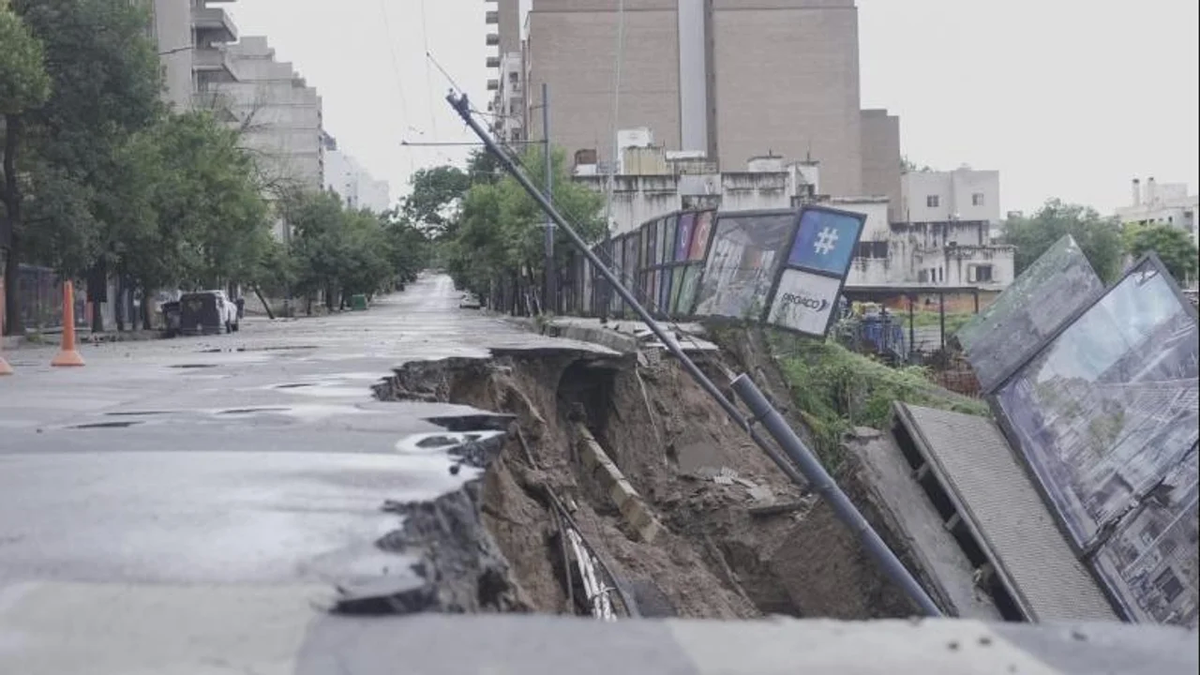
(826, 241)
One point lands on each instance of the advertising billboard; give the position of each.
(805, 296)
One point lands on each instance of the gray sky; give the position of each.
(1067, 98)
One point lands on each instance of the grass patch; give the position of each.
(836, 390)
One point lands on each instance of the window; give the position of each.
(923, 277)
(1169, 584)
(933, 201)
(941, 274)
(977, 199)
(871, 249)
(982, 273)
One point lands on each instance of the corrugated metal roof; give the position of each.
(1000, 504)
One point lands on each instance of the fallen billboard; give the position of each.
(809, 282)
(1106, 416)
(742, 262)
(1001, 337)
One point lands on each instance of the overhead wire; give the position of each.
(627, 277)
(387, 27)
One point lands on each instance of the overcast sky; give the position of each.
(1066, 98)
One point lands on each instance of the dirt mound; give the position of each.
(738, 539)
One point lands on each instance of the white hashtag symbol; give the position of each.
(826, 241)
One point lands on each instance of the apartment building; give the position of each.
(279, 116)
(191, 36)
(345, 177)
(731, 79)
(1162, 204)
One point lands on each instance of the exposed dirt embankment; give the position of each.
(736, 539)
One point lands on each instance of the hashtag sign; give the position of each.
(826, 241)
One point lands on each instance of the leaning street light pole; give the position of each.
(842, 506)
(463, 107)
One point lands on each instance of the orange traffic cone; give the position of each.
(68, 356)
(5, 369)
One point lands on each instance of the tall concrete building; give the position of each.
(347, 178)
(733, 79)
(191, 36)
(279, 116)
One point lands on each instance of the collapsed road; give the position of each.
(303, 477)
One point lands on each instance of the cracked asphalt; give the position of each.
(189, 506)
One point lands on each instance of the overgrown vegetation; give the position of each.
(487, 231)
(99, 179)
(836, 390)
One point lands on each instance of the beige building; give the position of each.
(732, 79)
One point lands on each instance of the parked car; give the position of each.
(207, 313)
(469, 301)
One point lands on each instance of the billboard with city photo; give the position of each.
(1150, 561)
(1109, 406)
(742, 263)
(1048, 294)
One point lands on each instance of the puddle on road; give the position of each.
(441, 442)
(107, 425)
(193, 366)
(252, 411)
(140, 413)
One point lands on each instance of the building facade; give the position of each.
(191, 37)
(711, 77)
(345, 177)
(1162, 204)
(940, 251)
(279, 116)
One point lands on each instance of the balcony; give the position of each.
(493, 62)
(492, 18)
(213, 25)
(493, 85)
(493, 40)
(215, 63)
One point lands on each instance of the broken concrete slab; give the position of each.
(939, 562)
(1005, 515)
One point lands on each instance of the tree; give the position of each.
(1173, 246)
(909, 166)
(104, 87)
(24, 84)
(1099, 238)
(500, 233)
(339, 252)
(434, 201)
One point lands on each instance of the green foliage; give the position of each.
(1099, 238)
(67, 141)
(434, 202)
(500, 232)
(836, 389)
(212, 223)
(342, 252)
(24, 82)
(1173, 245)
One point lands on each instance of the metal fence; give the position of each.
(40, 299)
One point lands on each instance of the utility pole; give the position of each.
(550, 293)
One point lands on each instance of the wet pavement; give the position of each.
(257, 457)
